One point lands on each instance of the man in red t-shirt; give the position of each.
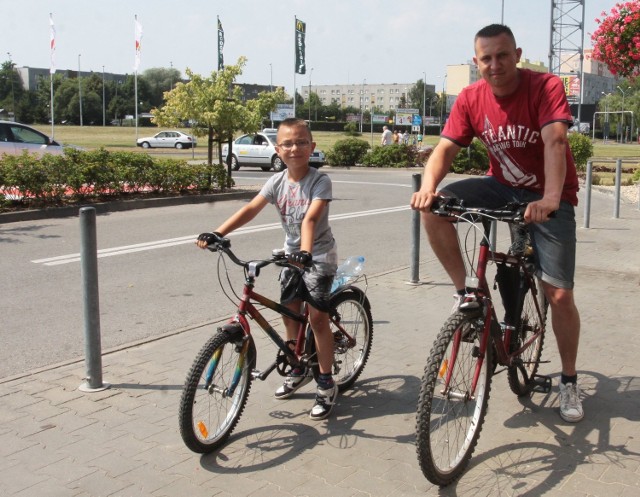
(522, 117)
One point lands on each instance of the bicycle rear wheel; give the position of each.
(216, 390)
(350, 312)
(532, 320)
(449, 419)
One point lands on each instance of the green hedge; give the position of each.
(78, 175)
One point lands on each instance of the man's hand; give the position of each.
(301, 257)
(540, 210)
(422, 200)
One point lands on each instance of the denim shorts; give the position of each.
(313, 286)
(554, 241)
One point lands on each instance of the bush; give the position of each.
(581, 149)
(395, 155)
(347, 152)
(473, 158)
(351, 129)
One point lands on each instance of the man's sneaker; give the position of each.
(325, 400)
(465, 303)
(291, 384)
(570, 403)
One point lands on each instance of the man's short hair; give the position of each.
(493, 30)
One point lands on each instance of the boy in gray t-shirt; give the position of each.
(301, 195)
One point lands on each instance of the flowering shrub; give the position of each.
(616, 42)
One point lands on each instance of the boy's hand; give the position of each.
(301, 257)
(206, 239)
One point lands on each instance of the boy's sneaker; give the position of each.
(570, 403)
(291, 384)
(325, 400)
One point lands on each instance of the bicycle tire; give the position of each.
(207, 415)
(448, 424)
(525, 365)
(353, 311)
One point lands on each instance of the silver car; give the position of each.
(259, 149)
(168, 139)
(16, 138)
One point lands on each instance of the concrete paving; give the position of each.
(56, 440)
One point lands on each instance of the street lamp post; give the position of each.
(605, 131)
(443, 104)
(79, 89)
(364, 82)
(309, 102)
(13, 95)
(622, 133)
(104, 117)
(424, 101)
(271, 87)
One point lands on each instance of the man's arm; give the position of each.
(435, 170)
(554, 136)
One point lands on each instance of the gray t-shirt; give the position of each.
(292, 200)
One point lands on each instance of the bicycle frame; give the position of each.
(500, 336)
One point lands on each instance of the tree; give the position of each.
(616, 42)
(216, 108)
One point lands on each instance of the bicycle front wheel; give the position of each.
(352, 328)
(450, 416)
(532, 322)
(216, 390)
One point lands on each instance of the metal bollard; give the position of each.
(415, 236)
(89, 265)
(616, 204)
(587, 202)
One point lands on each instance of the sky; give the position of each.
(347, 41)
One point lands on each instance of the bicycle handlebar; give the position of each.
(513, 212)
(278, 258)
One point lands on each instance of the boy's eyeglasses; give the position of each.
(290, 145)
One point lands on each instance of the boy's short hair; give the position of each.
(295, 122)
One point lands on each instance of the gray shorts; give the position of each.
(314, 286)
(554, 241)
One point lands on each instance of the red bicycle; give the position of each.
(218, 384)
(473, 342)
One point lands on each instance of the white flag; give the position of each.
(138, 44)
(52, 43)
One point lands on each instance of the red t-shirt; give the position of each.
(510, 128)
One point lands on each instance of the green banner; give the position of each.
(220, 46)
(301, 29)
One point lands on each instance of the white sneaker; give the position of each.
(464, 303)
(325, 401)
(570, 403)
(291, 385)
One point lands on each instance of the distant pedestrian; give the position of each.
(387, 137)
(396, 137)
(419, 139)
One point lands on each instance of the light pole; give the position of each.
(271, 87)
(171, 75)
(104, 117)
(364, 82)
(79, 89)
(13, 95)
(424, 101)
(605, 131)
(443, 104)
(622, 133)
(310, 74)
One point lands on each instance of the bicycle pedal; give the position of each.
(541, 384)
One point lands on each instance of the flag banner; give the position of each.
(52, 44)
(301, 29)
(136, 65)
(220, 46)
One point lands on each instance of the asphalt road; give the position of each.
(154, 281)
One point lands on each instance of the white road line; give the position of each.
(172, 242)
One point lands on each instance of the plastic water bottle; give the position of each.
(348, 271)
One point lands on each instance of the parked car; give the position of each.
(168, 139)
(259, 149)
(16, 138)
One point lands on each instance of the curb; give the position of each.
(122, 205)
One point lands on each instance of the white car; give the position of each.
(16, 138)
(259, 149)
(168, 139)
